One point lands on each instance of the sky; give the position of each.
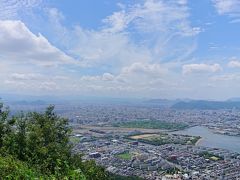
(121, 48)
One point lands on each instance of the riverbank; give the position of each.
(199, 141)
(210, 139)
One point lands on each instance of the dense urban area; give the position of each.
(143, 141)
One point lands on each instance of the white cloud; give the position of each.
(99, 49)
(145, 69)
(30, 62)
(99, 78)
(36, 88)
(36, 82)
(226, 77)
(140, 75)
(19, 44)
(11, 9)
(234, 64)
(153, 16)
(182, 2)
(200, 68)
(228, 7)
(136, 77)
(164, 27)
(22, 76)
(108, 77)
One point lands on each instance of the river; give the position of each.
(209, 139)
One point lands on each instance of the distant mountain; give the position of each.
(161, 102)
(26, 98)
(37, 102)
(65, 99)
(234, 99)
(204, 105)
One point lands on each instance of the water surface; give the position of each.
(209, 139)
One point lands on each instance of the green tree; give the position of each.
(7, 142)
(21, 137)
(42, 141)
(94, 172)
(4, 112)
(48, 141)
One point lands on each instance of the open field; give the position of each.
(210, 156)
(151, 124)
(109, 129)
(144, 136)
(125, 156)
(74, 140)
(160, 139)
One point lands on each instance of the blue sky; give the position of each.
(121, 48)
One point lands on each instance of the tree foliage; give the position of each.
(41, 141)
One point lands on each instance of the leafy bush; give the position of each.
(41, 141)
(11, 168)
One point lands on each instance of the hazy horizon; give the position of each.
(9, 97)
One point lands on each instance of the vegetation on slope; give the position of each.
(11, 168)
(37, 145)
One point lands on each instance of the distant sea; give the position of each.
(210, 139)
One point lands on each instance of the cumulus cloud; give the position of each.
(22, 76)
(107, 77)
(200, 68)
(138, 76)
(228, 7)
(226, 77)
(19, 44)
(37, 82)
(234, 64)
(43, 86)
(99, 78)
(144, 69)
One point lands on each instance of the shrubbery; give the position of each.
(37, 145)
(11, 168)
